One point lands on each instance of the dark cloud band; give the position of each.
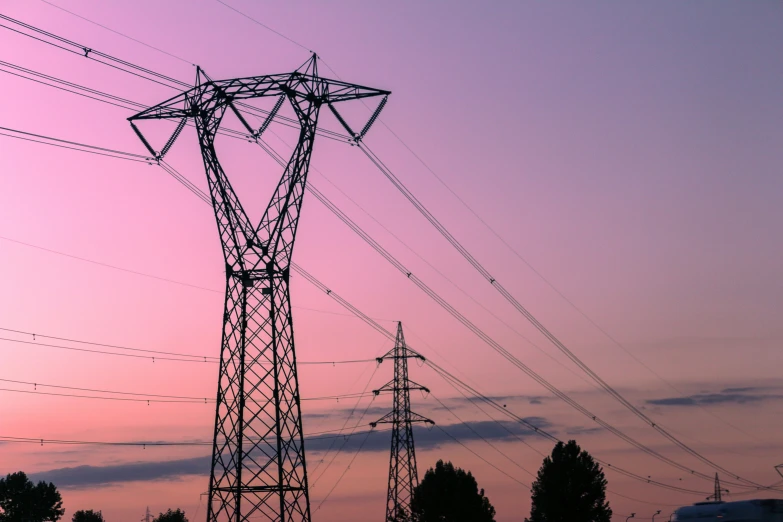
(426, 438)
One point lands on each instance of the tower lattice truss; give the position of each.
(258, 458)
(403, 475)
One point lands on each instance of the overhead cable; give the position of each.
(552, 338)
(73, 145)
(409, 276)
(148, 354)
(143, 397)
(413, 152)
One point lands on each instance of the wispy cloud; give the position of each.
(81, 476)
(376, 441)
(739, 395)
(462, 402)
(581, 430)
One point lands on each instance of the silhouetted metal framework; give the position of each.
(717, 495)
(258, 457)
(403, 475)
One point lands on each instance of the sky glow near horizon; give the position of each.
(630, 152)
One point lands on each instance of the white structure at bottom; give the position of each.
(770, 510)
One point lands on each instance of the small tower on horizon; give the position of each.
(718, 491)
(403, 476)
(147, 516)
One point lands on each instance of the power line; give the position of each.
(148, 400)
(455, 439)
(358, 450)
(523, 441)
(140, 72)
(382, 330)
(90, 54)
(434, 296)
(279, 118)
(345, 423)
(179, 357)
(400, 267)
(514, 302)
(556, 342)
(373, 324)
(41, 441)
(514, 462)
(340, 449)
(137, 397)
(530, 266)
(164, 279)
(323, 199)
(117, 32)
(152, 395)
(202, 196)
(73, 145)
(106, 345)
(124, 103)
(278, 33)
(44, 79)
(642, 501)
(502, 409)
(67, 442)
(122, 399)
(87, 350)
(552, 285)
(409, 277)
(539, 431)
(487, 339)
(508, 295)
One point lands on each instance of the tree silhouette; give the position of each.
(570, 487)
(88, 516)
(450, 494)
(171, 516)
(23, 501)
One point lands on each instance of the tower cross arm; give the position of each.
(296, 85)
(389, 386)
(407, 353)
(415, 417)
(338, 91)
(215, 93)
(392, 387)
(415, 386)
(386, 419)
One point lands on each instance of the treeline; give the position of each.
(570, 487)
(23, 501)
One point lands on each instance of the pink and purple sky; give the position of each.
(631, 152)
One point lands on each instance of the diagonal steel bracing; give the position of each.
(403, 475)
(258, 458)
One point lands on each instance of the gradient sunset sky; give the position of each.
(630, 152)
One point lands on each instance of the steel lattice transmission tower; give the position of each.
(258, 457)
(403, 475)
(717, 495)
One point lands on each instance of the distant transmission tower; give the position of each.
(717, 495)
(147, 516)
(258, 458)
(403, 476)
